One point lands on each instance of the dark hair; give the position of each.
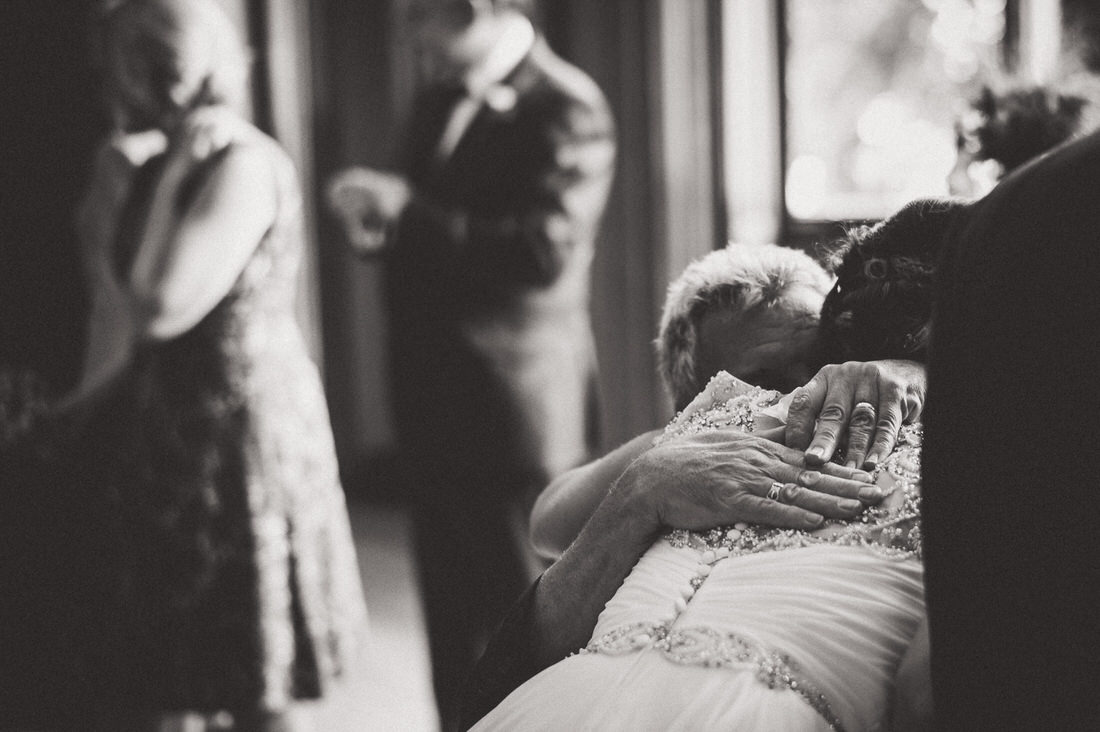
(881, 304)
(1017, 125)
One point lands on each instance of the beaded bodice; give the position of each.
(891, 528)
(890, 532)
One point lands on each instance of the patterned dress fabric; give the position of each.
(230, 571)
(745, 627)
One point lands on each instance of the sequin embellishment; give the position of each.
(892, 532)
(711, 649)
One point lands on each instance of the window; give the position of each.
(839, 110)
(872, 88)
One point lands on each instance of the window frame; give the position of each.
(755, 205)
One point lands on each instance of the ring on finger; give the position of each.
(775, 490)
(865, 406)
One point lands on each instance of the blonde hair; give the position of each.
(741, 277)
(170, 40)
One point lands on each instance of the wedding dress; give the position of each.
(745, 627)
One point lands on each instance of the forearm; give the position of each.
(574, 590)
(570, 500)
(190, 256)
(100, 207)
(154, 253)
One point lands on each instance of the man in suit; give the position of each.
(486, 236)
(1010, 489)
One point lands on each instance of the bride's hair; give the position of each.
(881, 304)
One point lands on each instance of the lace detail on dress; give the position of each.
(228, 481)
(711, 649)
(891, 532)
(726, 402)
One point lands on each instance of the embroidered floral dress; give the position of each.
(231, 574)
(744, 627)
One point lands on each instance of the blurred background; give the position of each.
(743, 120)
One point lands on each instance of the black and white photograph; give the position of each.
(549, 365)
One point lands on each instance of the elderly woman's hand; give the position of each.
(859, 407)
(723, 477)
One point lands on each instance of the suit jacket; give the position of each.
(487, 280)
(1011, 500)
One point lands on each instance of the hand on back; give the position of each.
(858, 407)
(723, 477)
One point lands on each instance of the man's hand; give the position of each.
(715, 478)
(855, 406)
(367, 202)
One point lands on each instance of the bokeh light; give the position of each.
(871, 101)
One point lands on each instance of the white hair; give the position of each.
(739, 276)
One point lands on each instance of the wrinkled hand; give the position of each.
(859, 407)
(723, 477)
(367, 202)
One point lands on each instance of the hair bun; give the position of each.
(876, 268)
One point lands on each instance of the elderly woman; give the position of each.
(750, 627)
(230, 580)
(749, 309)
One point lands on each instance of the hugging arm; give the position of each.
(567, 503)
(558, 613)
(837, 408)
(695, 482)
(703, 462)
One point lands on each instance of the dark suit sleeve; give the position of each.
(532, 244)
(506, 663)
(1009, 495)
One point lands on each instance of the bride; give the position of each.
(750, 628)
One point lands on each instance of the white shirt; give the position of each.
(482, 82)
